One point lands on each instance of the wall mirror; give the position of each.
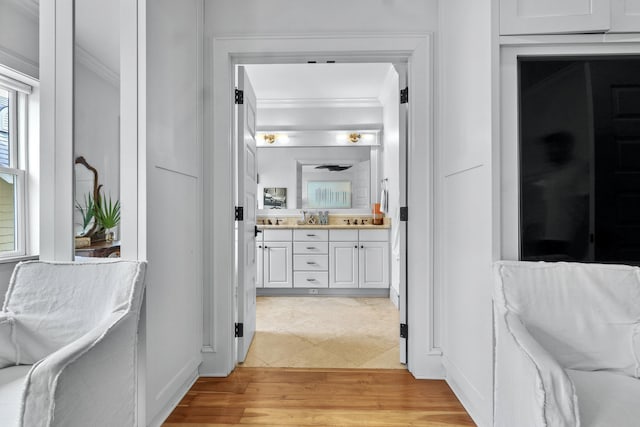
(96, 111)
(338, 179)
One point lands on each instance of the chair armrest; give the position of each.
(530, 388)
(90, 381)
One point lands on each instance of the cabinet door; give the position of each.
(625, 16)
(374, 264)
(553, 16)
(259, 265)
(343, 264)
(278, 261)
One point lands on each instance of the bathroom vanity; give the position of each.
(331, 259)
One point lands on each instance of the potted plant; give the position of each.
(87, 212)
(108, 215)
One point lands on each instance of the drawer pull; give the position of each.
(311, 248)
(311, 280)
(311, 235)
(311, 263)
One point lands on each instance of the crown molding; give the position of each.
(97, 66)
(31, 7)
(19, 64)
(320, 103)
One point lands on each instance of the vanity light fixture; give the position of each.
(354, 137)
(269, 138)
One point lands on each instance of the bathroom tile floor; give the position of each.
(325, 332)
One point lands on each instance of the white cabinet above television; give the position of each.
(568, 16)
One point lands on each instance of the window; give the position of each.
(13, 109)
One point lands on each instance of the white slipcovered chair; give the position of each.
(567, 345)
(68, 352)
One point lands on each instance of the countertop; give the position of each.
(329, 226)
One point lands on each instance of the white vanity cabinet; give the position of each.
(359, 258)
(277, 259)
(568, 16)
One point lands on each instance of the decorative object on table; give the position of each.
(87, 187)
(377, 215)
(275, 198)
(323, 217)
(82, 242)
(108, 215)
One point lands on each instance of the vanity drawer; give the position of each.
(310, 262)
(310, 247)
(311, 235)
(276, 235)
(374, 235)
(310, 279)
(344, 235)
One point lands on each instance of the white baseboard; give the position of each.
(173, 401)
(468, 395)
(427, 367)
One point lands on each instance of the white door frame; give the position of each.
(221, 55)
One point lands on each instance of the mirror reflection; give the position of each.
(317, 177)
(96, 127)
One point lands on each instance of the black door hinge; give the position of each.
(239, 97)
(404, 330)
(404, 213)
(239, 213)
(404, 95)
(239, 330)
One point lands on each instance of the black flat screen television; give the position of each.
(579, 159)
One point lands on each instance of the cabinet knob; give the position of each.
(361, 247)
(356, 246)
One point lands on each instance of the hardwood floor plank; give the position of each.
(318, 397)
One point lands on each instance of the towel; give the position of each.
(384, 201)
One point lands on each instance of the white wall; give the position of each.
(390, 98)
(174, 221)
(318, 117)
(465, 195)
(19, 36)
(321, 17)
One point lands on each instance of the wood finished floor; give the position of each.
(319, 397)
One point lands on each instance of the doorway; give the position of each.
(305, 114)
(219, 349)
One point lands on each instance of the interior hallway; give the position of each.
(319, 397)
(325, 332)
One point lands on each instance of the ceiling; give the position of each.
(97, 31)
(317, 81)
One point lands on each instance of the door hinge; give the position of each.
(404, 95)
(239, 96)
(404, 330)
(404, 213)
(239, 213)
(239, 330)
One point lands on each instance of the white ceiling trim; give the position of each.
(97, 66)
(320, 103)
